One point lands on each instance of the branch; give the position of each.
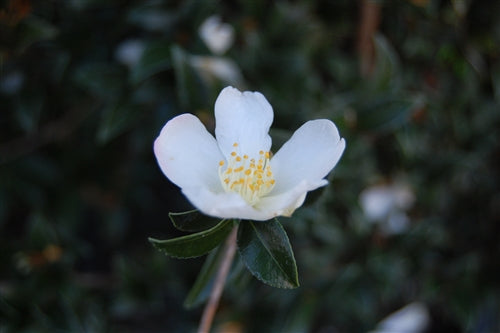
(370, 19)
(220, 280)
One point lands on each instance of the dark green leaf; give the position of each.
(204, 282)
(116, 119)
(238, 278)
(387, 67)
(190, 90)
(151, 16)
(192, 221)
(101, 79)
(194, 245)
(267, 253)
(495, 80)
(154, 59)
(29, 110)
(301, 317)
(386, 113)
(34, 29)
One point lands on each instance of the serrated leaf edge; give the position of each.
(156, 242)
(292, 286)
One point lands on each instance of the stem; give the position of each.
(370, 19)
(220, 280)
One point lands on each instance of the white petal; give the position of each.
(188, 154)
(224, 205)
(284, 204)
(217, 36)
(243, 118)
(223, 69)
(414, 317)
(130, 52)
(310, 154)
(376, 202)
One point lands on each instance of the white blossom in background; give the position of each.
(413, 318)
(216, 35)
(386, 205)
(235, 175)
(219, 38)
(129, 52)
(220, 68)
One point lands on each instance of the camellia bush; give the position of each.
(374, 197)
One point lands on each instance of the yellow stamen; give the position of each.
(251, 178)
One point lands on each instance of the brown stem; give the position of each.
(370, 19)
(211, 307)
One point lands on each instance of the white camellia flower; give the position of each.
(413, 318)
(234, 175)
(130, 52)
(216, 35)
(220, 68)
(386, 205)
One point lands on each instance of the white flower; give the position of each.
(216, 35)
(220, 68)
(130, 52)
(386, 205)
(413, 318)
(235, 175)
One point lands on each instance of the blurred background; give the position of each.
(411, 218)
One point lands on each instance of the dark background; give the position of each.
(414, 87)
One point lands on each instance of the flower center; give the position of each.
(246, 176)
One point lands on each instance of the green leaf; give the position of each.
(301, 316)
(495, 80)
(190, 89)
(204, 282)
(29, 110)
(192, 221)
(238, 277)
(267, 253)
(101, 79)
(387, 68)
(116, 119)
(194, 245)
(151, 16)
(34, 29)
(154, 59)
(387, 112)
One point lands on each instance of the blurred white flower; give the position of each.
(129, 52)
(413, 318)
(234, 175)
(219, 68)
(386, 205)
(216, 35)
